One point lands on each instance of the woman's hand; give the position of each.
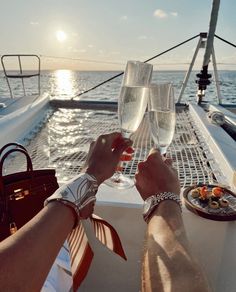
(104, 155)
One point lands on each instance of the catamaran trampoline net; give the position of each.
(62, 140)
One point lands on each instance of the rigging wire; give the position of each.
(148, 60)
(83, 60)
(227, 42)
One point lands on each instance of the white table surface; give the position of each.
(213, 243)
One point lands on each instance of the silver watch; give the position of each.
(153, 201)
(76, 193)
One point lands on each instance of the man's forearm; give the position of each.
(168, 264)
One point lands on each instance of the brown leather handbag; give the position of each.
(22, 194)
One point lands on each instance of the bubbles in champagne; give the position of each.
(162, 124)
(131, 108)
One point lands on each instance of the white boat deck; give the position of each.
(196, 160)
(212, 242)
(10, 105)
(21, 115)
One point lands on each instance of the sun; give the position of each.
(61, 36)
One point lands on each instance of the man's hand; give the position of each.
(104, 155)
(156, 175)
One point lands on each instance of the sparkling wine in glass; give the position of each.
(132, 104)
(131, 108)
(161, 113)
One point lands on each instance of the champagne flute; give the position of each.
(132, 104)
(161, 113)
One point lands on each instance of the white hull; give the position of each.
(15, 125)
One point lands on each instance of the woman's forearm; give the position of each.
(27, 256)
(168, 264)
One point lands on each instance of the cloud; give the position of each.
(34, 23)
(160, 13)
(124, 17)
(174, 14)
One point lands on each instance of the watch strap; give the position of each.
(157, 199)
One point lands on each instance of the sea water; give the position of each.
(65, 84)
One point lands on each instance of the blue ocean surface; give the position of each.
(67, 84)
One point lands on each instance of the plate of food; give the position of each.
(211, 201)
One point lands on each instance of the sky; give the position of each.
(104, 34)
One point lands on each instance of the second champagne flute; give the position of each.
(161, 113)
(132, 104)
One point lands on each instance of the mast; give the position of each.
(204, 76)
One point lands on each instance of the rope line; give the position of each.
(148, 60)
(96, 86)
(172, 48)
(227, 42)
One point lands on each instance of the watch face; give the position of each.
(147, 205)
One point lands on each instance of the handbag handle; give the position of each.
(12, 144)
(29, 166)
(28, 159)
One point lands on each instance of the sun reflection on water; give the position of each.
(64, 81)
